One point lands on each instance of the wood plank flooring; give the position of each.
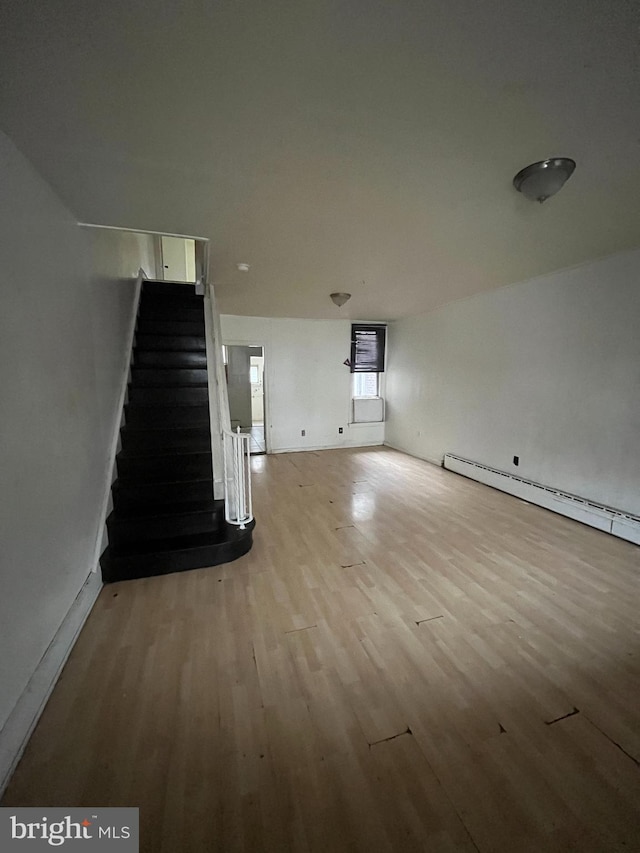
(406, 661)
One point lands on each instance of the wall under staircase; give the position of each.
(164, 517)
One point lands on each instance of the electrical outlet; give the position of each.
(340, 430)
(516, 460)
(303, 432)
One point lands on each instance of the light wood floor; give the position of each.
(407, 660)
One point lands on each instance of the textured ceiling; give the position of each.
(359, 146)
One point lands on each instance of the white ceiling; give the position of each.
(365, 146)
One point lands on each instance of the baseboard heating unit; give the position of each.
(602, 517)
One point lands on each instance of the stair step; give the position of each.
(173, 289)
(169, 358)
(170, 327)
(190, 395)
(154, 309)
(171, 342)
(163, 556)
(168, 301)
(162, 376)
(182, 507)
(160, 417)
(131, 498)
(131, 529)
(175, 466)
(147, 442)
(164, 516)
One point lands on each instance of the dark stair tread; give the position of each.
(167, 445)
(143, 427)
(159, 352)
(196, 552)
(135, 498)
(179, 328)
(166, 367)
(163, 369)
(171, 343)
(157, 287)
(171, 433)
(171, 453)
(162, 377)
(174, 543)
(169, 380)
(167, 376)
(155, 416)
(168, 396)
(169, 358)
(124, 485)
(169, 510)
(172, 300)
(153, 311)
(186, 429)
(121, 485)
(124, 530)
(137, 401)
(176, 465)
(169, 304)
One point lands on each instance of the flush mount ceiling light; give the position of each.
(243, 267)
(340, 298)
(541, 180)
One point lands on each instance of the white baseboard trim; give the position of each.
(17, 730)
(115, 438)
(432, 460)
(626, 528)
(605, 518)
(344, 446)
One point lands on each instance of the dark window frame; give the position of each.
(368, 343)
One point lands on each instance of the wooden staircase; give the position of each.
(164, 517)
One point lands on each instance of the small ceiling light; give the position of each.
(541, 180)
(243, 267)
(340, 298)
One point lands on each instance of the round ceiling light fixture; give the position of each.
(340, 298)
(541, 180)
(243, 267)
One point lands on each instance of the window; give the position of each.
(365, 385)
(367, 363)
(367, 348)
(254, 374)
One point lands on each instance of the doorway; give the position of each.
(244, 369)
(177, 258)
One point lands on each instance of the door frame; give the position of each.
(265, 384)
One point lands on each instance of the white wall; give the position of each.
(114, 260)
(307, 386)
(548, 370)
(67, 302)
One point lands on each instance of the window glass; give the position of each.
(365, 384)
(367, 348)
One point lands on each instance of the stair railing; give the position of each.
(237, 478)
(230, 450)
